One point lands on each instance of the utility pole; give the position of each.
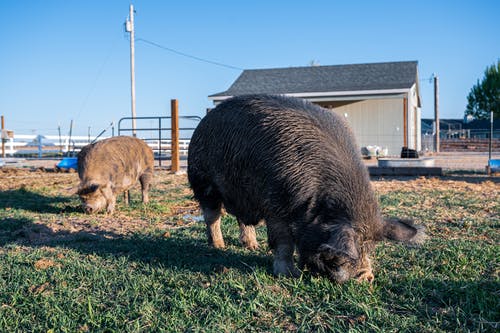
(436, 113)
(69, 139)
(60, 141)
(129, 26)
(3, 140)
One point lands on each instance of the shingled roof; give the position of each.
(324, 79)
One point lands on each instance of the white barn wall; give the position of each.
(376, 122)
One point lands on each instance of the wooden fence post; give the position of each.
(175, 135)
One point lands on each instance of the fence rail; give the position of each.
(25, 145)
(44, 145)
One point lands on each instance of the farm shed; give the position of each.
(381, 101)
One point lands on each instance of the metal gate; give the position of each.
(157, 132)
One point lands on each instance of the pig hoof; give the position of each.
(219, 244)
(249, 244)
(286, 269)
(365, 276)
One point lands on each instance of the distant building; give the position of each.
(381, 101)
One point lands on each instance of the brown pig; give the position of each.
(112, 166)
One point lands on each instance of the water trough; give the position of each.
(405, 167)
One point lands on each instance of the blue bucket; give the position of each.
(494, 165)
(68, 163)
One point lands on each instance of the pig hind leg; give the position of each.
(212, 217)
(126, 197)
(145, 180)
(211, 204)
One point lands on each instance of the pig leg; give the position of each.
(145, 180)
(365, 272)
(247, 236)
(110, 199)
(281, 242)
(211, 206)
(126, 197)
(212, 216)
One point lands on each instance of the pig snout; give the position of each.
(90, 208)
(93, 205)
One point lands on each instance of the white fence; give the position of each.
(52, 145)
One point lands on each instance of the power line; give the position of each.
(187, 55)
(96, 78)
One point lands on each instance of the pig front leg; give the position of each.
(365, 272)
(247, 236)
(281, 242)
(110, 197)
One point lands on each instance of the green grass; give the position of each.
(149, 281)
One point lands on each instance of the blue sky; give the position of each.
(64, 60)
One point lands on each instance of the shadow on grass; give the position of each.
(36, 202)
(179, 251)
(468, 305)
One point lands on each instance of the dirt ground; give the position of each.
(48, 200)
(174, 207)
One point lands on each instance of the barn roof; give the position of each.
(325, 79)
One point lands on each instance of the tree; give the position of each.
(484, 96)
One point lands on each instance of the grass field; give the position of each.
(148, 268)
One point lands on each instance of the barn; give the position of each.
(381, 101)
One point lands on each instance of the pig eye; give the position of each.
(88, 190)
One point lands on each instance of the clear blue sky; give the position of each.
(63, 60)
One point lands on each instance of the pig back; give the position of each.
(269, 155)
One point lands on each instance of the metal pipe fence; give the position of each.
(157, 132)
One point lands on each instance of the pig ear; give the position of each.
(403, 231)
(87, 190)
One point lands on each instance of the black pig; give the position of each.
(296, 166)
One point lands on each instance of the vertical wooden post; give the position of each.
(405, 122)
(175, 135)
(436, 114)
(3, 141)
